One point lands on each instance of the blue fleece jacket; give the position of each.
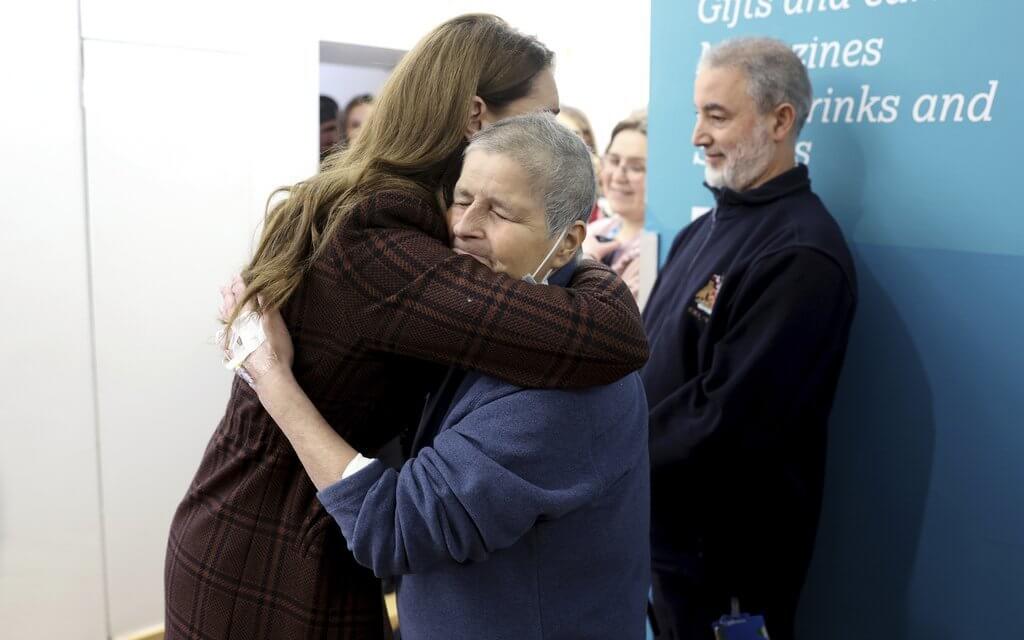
(748, 324)
(527, 517)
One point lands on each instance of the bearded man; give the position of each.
(748, 324)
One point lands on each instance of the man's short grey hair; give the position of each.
(556, 160)
(775, 74)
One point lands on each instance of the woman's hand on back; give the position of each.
(597, 250)
(631, 276)
(273, 353)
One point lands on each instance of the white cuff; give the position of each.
(358, 463)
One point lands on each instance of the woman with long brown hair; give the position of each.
(357, 260)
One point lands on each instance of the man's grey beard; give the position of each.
(745, 164)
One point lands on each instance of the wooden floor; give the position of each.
(151, 633)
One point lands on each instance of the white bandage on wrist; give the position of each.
(245, 336)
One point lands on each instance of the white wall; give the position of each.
(181, 159)
(344, 81)
(51, 557)
(159, 394)
(602, 48)
(193, 112)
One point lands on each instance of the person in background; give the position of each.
(330, 128)
(358, 260)
(748, 324)
(619, 240)
(578, 123)
(357, 111)
(523, 513)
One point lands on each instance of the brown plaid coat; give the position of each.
(252, 554)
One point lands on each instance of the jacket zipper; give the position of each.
(707, 238)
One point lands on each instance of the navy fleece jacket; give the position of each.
(525, 518)
(748, 324)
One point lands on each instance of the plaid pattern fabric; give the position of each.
(252, 554)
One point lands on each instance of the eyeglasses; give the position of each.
(635, 167)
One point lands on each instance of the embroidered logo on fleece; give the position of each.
(706, 297)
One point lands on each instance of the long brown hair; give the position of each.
(411, 142)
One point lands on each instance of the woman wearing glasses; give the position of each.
(620, 240)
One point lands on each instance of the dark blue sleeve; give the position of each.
(479, 488)
(788, 322)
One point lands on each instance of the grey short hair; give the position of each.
(775, 74)
(556, 160)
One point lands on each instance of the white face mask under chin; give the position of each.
(531, 278)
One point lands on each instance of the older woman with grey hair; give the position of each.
(522, 513)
